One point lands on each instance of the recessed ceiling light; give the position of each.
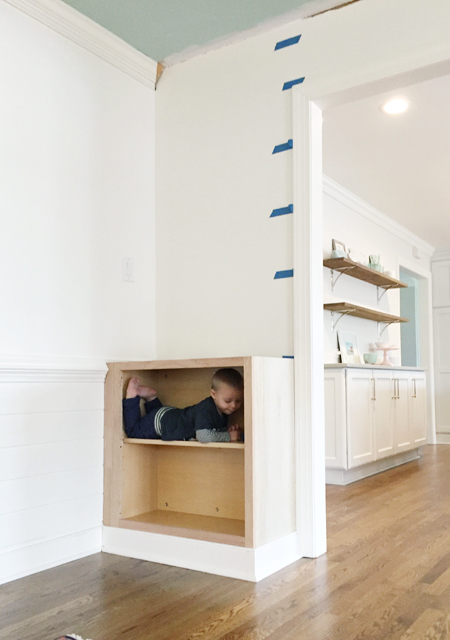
(395, 106)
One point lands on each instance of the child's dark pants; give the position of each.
(137, 426)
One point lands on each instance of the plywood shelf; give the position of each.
(186, 443)
(214, 529)
(362, 312)
(359, 271)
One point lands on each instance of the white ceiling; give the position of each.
(398, 164)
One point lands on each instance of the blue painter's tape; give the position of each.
(288, 273)
(282, 211)
(283, 147)
(290, 357)
(287, 43)
(291, 83)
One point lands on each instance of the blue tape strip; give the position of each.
(290, 357)
(283, 147)
(291, 83)
(287, 43)
(282, 211)
(288, 273)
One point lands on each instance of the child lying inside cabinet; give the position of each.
(206, 421)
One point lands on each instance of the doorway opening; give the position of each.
(410, 331)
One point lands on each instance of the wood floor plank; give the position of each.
(386, 576)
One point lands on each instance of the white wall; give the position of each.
(77, 195)
(219, 117)
(366, 231)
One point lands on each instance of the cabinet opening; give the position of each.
(180, 387)
(199, 489)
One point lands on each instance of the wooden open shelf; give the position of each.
(186, 443)
(359, 271)
(362, 312)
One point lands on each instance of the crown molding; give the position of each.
(48, 369)
(312, 9)
(80, 29)
(347, 198)
(441, 254)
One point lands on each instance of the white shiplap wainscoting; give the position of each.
(51, 462)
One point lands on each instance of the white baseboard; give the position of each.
(210, 557)
(276, 555)
(33, 558)
(347, 476)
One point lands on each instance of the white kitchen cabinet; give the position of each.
(402, 413)
(375, 418)
(418, 408)
(360, 437)
(383, 413)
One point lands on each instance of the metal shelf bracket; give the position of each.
(342, 314)
(340, 272)
(380, 332)
(383, 289)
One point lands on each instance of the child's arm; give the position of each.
(210, 426)
(233, 434)
(211, 435)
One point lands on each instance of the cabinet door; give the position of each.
(418, 408)
(335, 434)
(402, 426)
(383, 413)
(359, 392)
(442, 368)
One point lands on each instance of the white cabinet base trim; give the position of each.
(210, 557)
(443, 438)
(347, 476)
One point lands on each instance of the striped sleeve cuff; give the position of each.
(209, 435)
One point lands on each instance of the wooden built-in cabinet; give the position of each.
(235, 493)
(375, 418)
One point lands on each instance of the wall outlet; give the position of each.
(128, 269)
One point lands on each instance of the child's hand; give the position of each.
(235, 433)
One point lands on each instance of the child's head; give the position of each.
(227, 388)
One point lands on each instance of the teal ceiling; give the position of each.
(160, 28)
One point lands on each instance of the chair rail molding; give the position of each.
(51, 369)
(74, 26)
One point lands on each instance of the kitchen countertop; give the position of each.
(340, 365)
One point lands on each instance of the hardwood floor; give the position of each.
(386, 575)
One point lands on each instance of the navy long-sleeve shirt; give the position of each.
(202, 421)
